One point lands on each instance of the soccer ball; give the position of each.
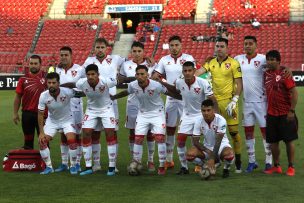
(205, 173)
(134, 168)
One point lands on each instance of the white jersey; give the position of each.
(108, 68)
(128, 69)
(218, 125)
(193, 95)
(98, 97)
(72, 75)
(173, 68)
(59, 108)
(253, 77)
(149, 98)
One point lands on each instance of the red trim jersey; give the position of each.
(30, 87)
(277, 90)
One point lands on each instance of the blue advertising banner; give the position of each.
(134, 8)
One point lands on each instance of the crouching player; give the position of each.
(216, 144)
(57, 100)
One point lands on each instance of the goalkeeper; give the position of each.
(227, 87)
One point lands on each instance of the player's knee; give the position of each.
(160, 138)
(72, 144)
(228, 154)
(43, 145)
(139, 139)
(131, 138)
(86, 141)
(181, 140)
(170, 130)
(111, 139)
(150, 137)
(249, 132)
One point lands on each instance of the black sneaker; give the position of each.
(225, 173)
(182, 171)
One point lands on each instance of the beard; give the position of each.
(52, 90)
(34, 70)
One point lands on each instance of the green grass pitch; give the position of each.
(63, 187)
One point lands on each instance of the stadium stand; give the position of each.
(179, 9)
(113, 2)
(19, 20)
(76, 7)
(77, 34)
(286, 38)
(265, 11)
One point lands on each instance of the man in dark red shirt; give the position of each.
(28, 91)
(281, 122)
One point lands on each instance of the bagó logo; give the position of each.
(24, 166)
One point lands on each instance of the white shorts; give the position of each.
(77, 116)
(174, 111)
(156, 122)
(93, 120)
(254, 112)
(132, 111)
(223, 146)
(115, 105)
(51, 128)
(187, 123)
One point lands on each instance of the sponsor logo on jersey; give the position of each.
(150, 92)
(197, 90)
(227, 65)
(257, 64)
(278, 78)
(74, 73)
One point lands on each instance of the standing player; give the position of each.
(108, 67)
(171, 65)
(57, 100)
(70, 72)
(28, 92)
(216, 144)
(281, 121)
(99, 111)
(127, 72)
(226, 73)
(194, 91)
(151, 114)
(255, 101)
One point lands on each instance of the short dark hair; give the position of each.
(221, 39)
(273, 54)
(175, 37)
(53, 75)
(92, 67)
(36, 57)
(207, 102)
(66, 48)
(137, 44)
(102, 41)
(251, 37)
(139, 67)
(189, 63)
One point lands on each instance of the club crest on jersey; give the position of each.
(227, 65)
(130, 67)
(214, 127)
(182, 61)
(112, 120)
(183, 89)
(42, 80)
(109, 61)
(163, 125)
(62, 99)
(48, 102)
(197, 90)
(168, 63)
(150, 92)
(102, 89)
(74, 73)
(278, 78)
(257, 64)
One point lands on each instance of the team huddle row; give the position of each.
(198, 107)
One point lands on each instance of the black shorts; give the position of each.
(30, 122)
(278, 128)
